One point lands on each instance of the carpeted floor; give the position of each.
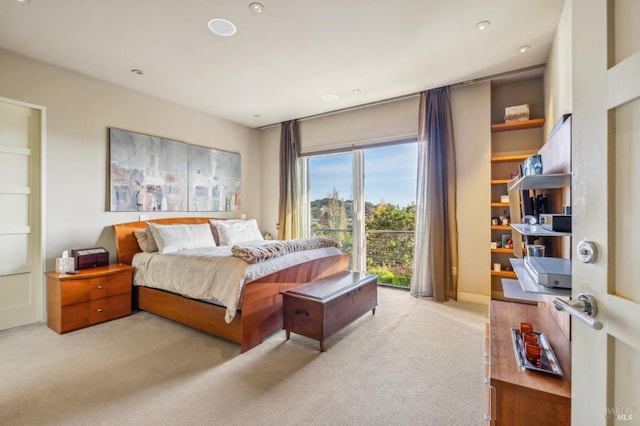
(415, 362)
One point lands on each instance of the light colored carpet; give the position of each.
(416, 362)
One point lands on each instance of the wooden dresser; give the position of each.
(92, 296)
(515, 396)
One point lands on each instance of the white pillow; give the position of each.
(214, 227)
(173, 238)
(202, 237)
(145, 240)
(238, 232)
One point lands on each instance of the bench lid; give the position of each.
(334, 284)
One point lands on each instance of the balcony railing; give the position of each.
(389, 253)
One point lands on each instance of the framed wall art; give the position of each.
(150, 173)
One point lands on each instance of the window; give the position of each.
(365, 200)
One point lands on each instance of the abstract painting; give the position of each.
(150, 173)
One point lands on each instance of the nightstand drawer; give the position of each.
(95, 311)
(92, 296)
(83, 290)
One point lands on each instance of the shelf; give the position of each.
(517, 125)
(550, 181)
(507, 274)
(499, 204)
(537, 230)
(500, 227)
(529, 285)
(500, 181)
(513, 291)
(510, 158)
(502, 250)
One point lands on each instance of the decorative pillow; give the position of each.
(238, 232)
(172, 238)
(145, 240)
(214, 227)
(202, 236)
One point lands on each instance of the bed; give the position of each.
(259, 312)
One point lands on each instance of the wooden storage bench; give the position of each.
(320, 308)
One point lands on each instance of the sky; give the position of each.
(390, 175)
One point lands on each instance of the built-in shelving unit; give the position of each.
(513, 395)
(510, 148)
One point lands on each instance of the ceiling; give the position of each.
(281, 61)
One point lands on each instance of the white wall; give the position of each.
(471, 110)
(270, 182)
(472, 129)
(557, 75)
(79, 110)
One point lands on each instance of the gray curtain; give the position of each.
(289, 216)
(436, 247)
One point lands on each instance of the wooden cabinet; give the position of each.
(515, 396)
(511, 145)
(92, 296)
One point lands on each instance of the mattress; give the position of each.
(212, 274)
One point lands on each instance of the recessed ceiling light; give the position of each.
(483, 25)
(222, 27)
(256, 7)
(524, 48)
(356, 91)
(329, 98)
(137, 71)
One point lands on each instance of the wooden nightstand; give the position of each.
(92, 296)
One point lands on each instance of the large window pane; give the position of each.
(380, 237)
(331, 200)
(390, 194)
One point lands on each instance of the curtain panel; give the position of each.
(289, 215)
(436, 248)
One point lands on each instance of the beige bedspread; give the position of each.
(212, 273)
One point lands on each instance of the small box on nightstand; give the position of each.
(90, 257)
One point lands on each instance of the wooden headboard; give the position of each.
(127, 244)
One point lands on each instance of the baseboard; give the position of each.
(474, 298)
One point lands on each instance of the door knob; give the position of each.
(584, 308)
(587, 251)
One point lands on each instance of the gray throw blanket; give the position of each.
(262, 250)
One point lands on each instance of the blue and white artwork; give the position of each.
(150, 173)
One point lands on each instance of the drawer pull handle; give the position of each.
(99, 286)
(302, 312)
(99, 310)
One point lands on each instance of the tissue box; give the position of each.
(516, 113)
(90, 257)
(65, 264)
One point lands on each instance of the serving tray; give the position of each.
(548, 361)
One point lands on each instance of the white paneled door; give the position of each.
(606, 203)
(21, 291)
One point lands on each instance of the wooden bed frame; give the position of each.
(260, 312)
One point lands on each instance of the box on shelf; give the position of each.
(516, 113)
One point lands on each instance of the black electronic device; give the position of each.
(556, 222)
